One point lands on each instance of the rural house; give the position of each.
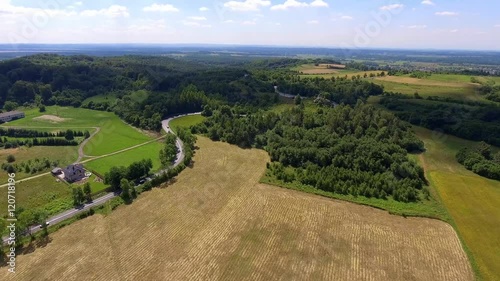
(11, 115)
(74, 173)
(56, 171)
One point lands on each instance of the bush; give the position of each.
(11, 158)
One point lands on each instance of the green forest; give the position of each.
(357, 150)
(481, 160)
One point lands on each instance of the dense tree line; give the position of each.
(348, 150)
(133, 172)
(175, 86)
(188, 141)
(27, 218)
(481, 160)
(490, 91)
(336, 89)
(13, 143)
(54, 142)
(25, 133)
(479, 122)
(169, 152)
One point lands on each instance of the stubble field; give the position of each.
(218, 223)
(471, 200)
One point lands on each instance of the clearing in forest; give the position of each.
(216, 222)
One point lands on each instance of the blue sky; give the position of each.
(437, 24)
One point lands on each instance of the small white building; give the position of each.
(11, 115)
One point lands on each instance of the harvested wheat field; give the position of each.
(217, 223)
(424, 82)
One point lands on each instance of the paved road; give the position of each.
(283, 94)
(180, 146)
(103, 199)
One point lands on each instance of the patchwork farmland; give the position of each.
(217, 222)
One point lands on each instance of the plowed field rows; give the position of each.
(217, 223)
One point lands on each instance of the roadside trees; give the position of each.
(88, 192)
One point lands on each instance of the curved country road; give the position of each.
(103, 199)
(81, 154)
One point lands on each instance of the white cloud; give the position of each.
(392, 7)
(428, 2)
(496, 25)
(195, 24)
(160, 8)
(228, 21)
(346, 18)
(148, 25)
(249, 22)
(298, 4)
(318, 3)
(79, 3)
(416, 26)
(446, 14)
(197, 18)
(247, 5)
(313, 22)
(6, 8)
(113, 11)
(454, 30)
(204, 9)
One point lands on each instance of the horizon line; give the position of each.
(254, 45)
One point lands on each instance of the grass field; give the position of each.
(151, 151)
(65, 155)
(216, 222)
(186, 121)
(460, 78)
(100, 99)
(467, 92)
(114, 135)
(341, 73)
(445, 85)
(319, 69)
(471, 200)
(44, 192)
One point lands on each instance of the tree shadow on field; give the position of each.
(168, 183)
(3, 259)
(41, 242)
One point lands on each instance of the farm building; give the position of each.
(11, 115)
(74, 173)
(56, 171)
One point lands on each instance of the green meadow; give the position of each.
(148, 151)
(114, 134)
(44, 192)
(471, 200)
(186, 121)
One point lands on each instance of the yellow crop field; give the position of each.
(216, 222)
(471, 200)
(425, 82)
